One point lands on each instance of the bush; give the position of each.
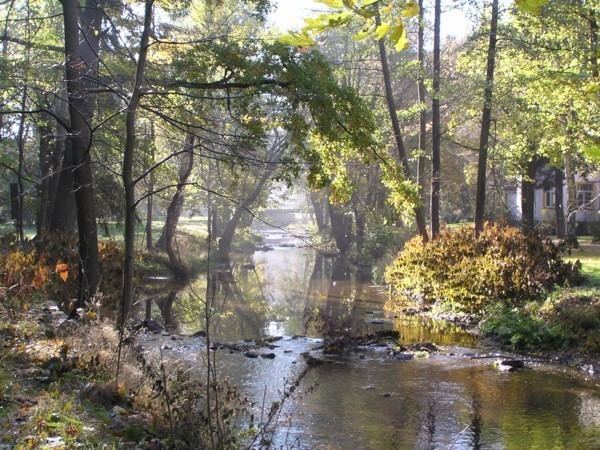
(48, 268)
(465, 274)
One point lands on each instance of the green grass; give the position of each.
(589, 255)
(457, 225)
(6, 228)
(113, 230)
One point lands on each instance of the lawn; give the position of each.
(589, 255)
(113, 230)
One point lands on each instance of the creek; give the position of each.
(368, 399)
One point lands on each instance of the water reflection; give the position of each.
(435, 407)
(297, 291)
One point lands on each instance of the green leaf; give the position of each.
(398, 36)
(361, 35)
(382, 30)
(318, 24)
(348, 3)
(592, 151)
(297, 39)
(335, 20)
(332, 3)
(365, 11)
(326, 21)
(411, 9)
(531, 6)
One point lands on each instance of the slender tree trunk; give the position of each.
(594, 43)
(571, 235)
(402, 155)
(127, 170)
(559, 202)
(81, 64)
(435, 126)
(46, 169)
(4, 53)
(149, 200)
(149, 214)
(360, 225)
(486, 118)
(421, 161)
(21, 150)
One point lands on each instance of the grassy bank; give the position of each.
(566, 321)
(54, 389)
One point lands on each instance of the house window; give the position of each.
(549, 198)
(585, 194)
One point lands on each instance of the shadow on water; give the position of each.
(373, 402)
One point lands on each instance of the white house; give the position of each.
(588, 198)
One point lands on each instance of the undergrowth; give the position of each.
(567, 320)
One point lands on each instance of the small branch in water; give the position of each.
(458, 436)
(513, 357)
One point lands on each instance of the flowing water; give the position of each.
(367, 399)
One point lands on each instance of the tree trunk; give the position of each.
(421, 161)
(360, 225)
(82, 64)
(149, 214)
(167, 239)
(402, 155)
(63, 210)
(571, 234)
(63, 215)
(528, 195)
(558, 203)
(486, 118)
(593, 43)
(214, 220)
(46, 171)
(341, 228)
(435, 126)
(149, 200)
(127, 169)
(229, 231)
(317, 200)
(21, 150)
